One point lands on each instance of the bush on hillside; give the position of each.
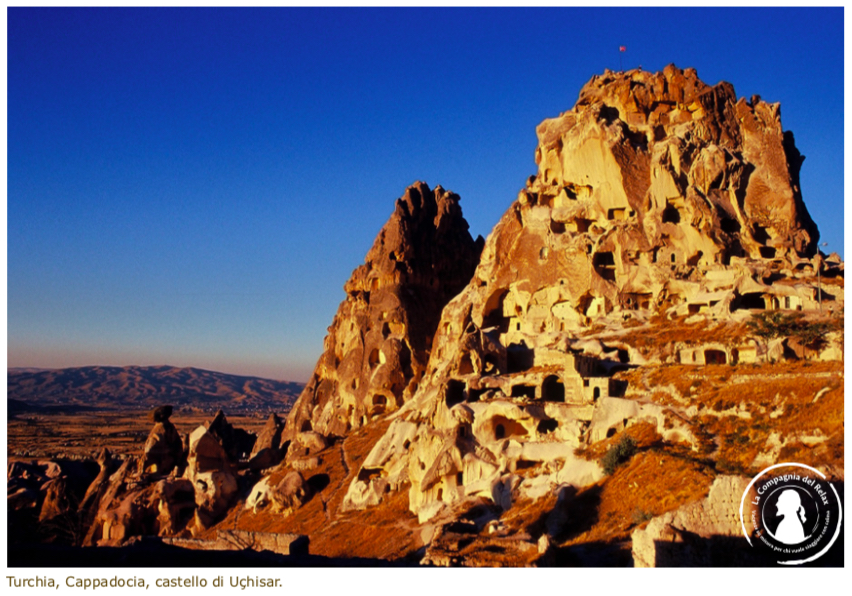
(772, 324)
(618, 454)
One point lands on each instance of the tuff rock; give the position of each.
(267, 449)
(211, 472)
(655, 195)
(164, 448)
(376, 350)
(136, 499)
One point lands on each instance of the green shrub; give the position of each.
(771, 324)
(618, 454)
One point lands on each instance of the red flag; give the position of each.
(622, 48)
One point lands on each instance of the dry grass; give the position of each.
(644, 434)
(770, 398)
(695, 382)
(796, 415)
(653, 482)
(386, 531)
(661, 477)
(528, 515)
(662, 334)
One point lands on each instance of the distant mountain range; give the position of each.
(135, 387)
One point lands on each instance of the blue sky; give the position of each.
(194, 186)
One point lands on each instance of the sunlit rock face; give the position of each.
(656, 194)
(679, 160)
(379, 342)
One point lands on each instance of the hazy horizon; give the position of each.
(193, 187)
(156, 365)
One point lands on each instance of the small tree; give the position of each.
(771, 324)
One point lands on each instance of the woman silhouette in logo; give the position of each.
(790, 530)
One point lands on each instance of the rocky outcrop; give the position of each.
(666, 148)
(376, 350)
(88, 507)
(267, 450)
(656, 195)
(697, 535)
(163, 508)
(164, 447)
(212, 474)
(291, 493)
(120, 482)
(236, 442)
(47, 494)
(137, 500)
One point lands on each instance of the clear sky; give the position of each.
(194, 186)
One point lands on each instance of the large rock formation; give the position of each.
(47, 494)
(508, 395)
(212, 471)
(164, 447)
(267, 449)
(656, 194)
(654, 149)
(378, 344)
(137, 499)
(90, 503)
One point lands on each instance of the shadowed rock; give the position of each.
(377, 346)
(236, 442)
(163, 450)
(266, 452)
(97, 489)
(291, 493)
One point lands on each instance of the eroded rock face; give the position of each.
(656, 194)
(291, 493)
(377, 347)
(267, 449)
(236, 442)
(88, 507)
(212, 474)
(665, 148)
(50, 490)
(164, 447)
(163, 508)
(80, 504)
(699, 534)
(112, 497)
(136, 500)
